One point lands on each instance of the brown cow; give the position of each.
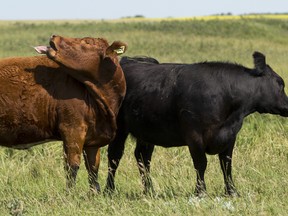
(73, 95)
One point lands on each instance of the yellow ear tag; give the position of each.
(120, 50)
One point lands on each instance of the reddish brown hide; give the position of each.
(73, 93)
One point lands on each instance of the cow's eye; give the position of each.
(84, 42)
(280, 82)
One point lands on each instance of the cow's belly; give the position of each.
(23, 135)
(163, 134)
(29, 145)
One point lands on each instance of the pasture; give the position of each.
(32, 182)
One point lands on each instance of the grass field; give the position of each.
(32, 182)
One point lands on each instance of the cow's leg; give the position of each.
(225, 159)
(200, 163)
(115, 153)
(194, 140)
(92, 161)
(73, 141)
(143, 154)
(71, 164)
(227, 135)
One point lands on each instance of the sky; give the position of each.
(115, 9)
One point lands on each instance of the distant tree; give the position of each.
(226, 14)
(139, 16)
(136, 16)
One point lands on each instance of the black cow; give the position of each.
(200, 105)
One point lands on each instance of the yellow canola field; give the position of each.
(211, 17)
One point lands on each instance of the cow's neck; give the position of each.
(106, 91)
(244, 99)
(103, 103)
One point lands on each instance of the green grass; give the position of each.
(33, 182)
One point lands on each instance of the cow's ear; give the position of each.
(117, 47)
(259, 62)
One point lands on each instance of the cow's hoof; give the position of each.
(149, 192)
(232, 193)
(108, 191)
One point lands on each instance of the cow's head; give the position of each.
(81, 54)
(270, 88)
